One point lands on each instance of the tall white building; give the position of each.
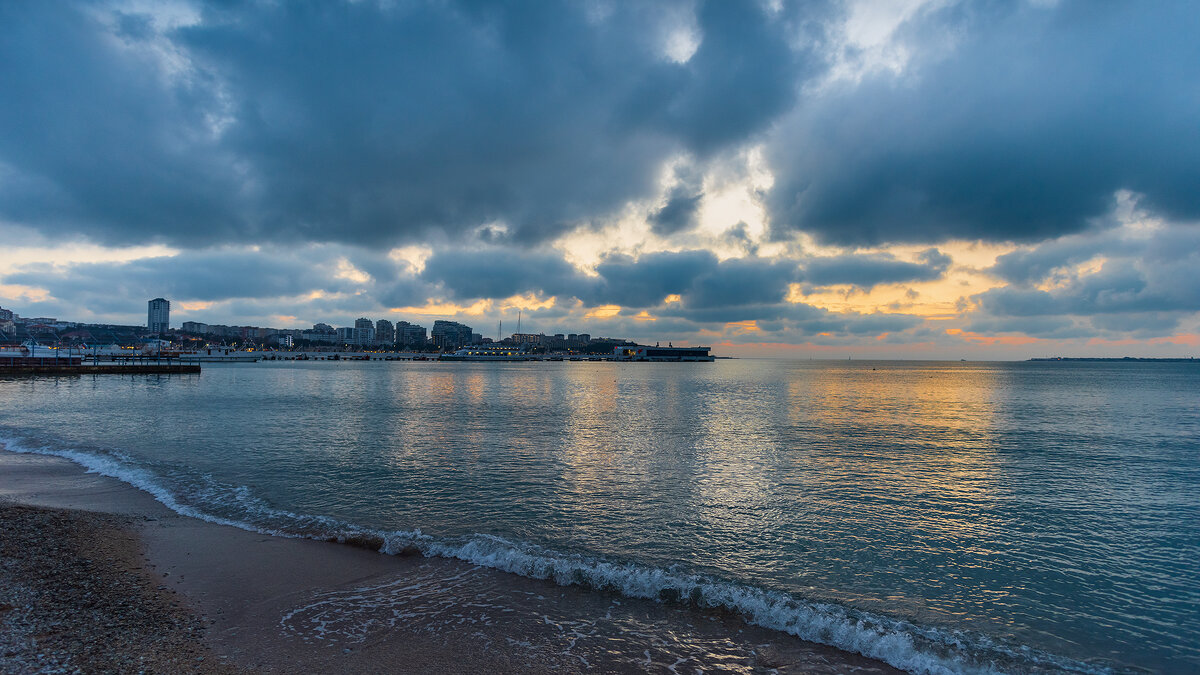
(158, 315)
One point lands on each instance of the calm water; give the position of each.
(939, 516)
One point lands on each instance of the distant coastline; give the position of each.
(1111, 358)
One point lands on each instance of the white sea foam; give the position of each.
(917, 649)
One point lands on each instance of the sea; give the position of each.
(941, 517)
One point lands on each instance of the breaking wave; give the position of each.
(900, 643)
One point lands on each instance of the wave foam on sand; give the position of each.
(902, 644)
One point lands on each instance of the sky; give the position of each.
(884, 179)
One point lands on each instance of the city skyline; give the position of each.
(918, 179)
(365, 332)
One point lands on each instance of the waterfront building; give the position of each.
(158, 315)
(325, 334)
(450, 334)
(364, 332)
(345, 335)
(385, 333)
(669, 353)
(410, 335)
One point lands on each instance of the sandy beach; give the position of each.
(100, 577)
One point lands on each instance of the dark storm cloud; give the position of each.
(796, 322)
(867, 271)
(1144, 285)
(736, 286)
(1022, 130)
(741, 281)
(702, 282)
(651, 278)
(807, 321)
(678, 214)
(501, 273)
(93, 138)
(1047, 327)
(369, 122)
(210, 275)
(741, 77)
(1025, 266)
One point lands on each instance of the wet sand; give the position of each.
(213, 598)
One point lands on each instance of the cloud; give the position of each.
(193, 275)
(313, 281)
(702, 282)
(1031, 265)
(647, 281)
(1145, 285)
(369, 122)
(1010, 122)
(501, 272)
(97, 139)
(870, 270)
(678, 214)
(284, 150)
(1047, 327)
(741, 282)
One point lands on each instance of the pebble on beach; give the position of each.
(75, 597)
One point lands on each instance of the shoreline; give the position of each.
(276, 604)
(76, 597)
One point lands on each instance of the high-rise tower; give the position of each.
(158, 316)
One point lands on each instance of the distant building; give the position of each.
(364, 332)
(410, 335)
(450, 334)
(345, 335)
(158, 316)
(321, 332)
(6, 315)
(385, 333)
(194, 327)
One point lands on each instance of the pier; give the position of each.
(37, 365)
